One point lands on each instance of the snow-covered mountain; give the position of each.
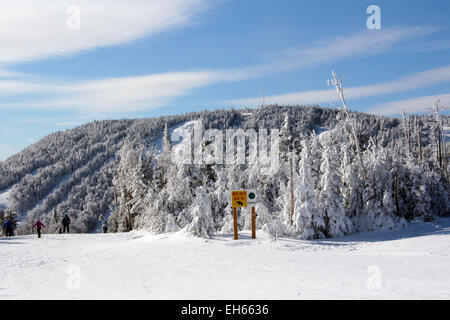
(73, 172)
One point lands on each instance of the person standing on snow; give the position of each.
(8, 226)
(105, 227)
(66, 223)
(38, 226)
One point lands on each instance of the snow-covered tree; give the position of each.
(308, 220)
(202, 224)
(375, 216)
(331, 201)
(352, 186)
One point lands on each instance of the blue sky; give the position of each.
(61, 66)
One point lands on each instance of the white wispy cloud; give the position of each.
(32, 30)
(10, 74)
(406, 83)
(124, 94)
(360, 44)
(412, 105)
(18, 87)
(128, 94)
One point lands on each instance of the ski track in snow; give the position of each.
(4, 194)
(411, 264)
(4, 198)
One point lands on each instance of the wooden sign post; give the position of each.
(238, 200)
(235, 225)
(253, 223)
(243, 198)
(251, 201)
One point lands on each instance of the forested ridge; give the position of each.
(403, 176)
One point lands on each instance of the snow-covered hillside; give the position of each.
(4, 198)
(35, 176)
(182, 130)
(407, 264)
(75, 172)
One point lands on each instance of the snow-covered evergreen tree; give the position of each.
(375, 216)
(308, 220)
(331, 201)
(202, 224)
(352, 186)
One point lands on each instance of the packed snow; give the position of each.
(412, 263)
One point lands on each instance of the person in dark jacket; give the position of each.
(8, 226)
(105, 227)
(38, 225)
(66, 223)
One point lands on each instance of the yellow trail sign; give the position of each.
(239, 198)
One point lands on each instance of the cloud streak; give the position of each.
(110, 95)
(406, 83)
(364, 43)
(413, 105)
(33, 30)
(130, 94)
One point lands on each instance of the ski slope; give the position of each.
(406, 264)
(4, 198)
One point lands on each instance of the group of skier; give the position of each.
(65, 225)
(8, 226)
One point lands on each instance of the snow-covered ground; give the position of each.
(406, 264)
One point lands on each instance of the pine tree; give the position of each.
(286, 138)
(375, 188)
(331, 201)
(308, 221)
(166, 141)
(352, 187)
(202, 224)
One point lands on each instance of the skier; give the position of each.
(66, 223)
(105, 227)
(38, 226)
(8, 226)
